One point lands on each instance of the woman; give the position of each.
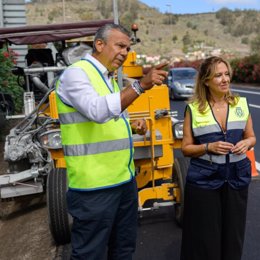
(218, 132)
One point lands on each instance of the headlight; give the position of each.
(178, 130)
(51, 139)
(178, 84)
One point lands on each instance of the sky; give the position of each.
(200, 6)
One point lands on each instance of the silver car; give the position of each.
(181, 82)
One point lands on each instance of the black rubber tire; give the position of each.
(2, 120)
(59, 219)
(172, 97)
(180, 172)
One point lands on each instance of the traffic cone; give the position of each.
(251, 156)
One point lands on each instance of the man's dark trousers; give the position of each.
(104, 221)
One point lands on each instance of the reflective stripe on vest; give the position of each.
(77, 117)
(206, 124)
(215, 128)
(96, 148)
(221, 159)
(97, 155)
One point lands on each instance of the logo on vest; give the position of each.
(239, 112)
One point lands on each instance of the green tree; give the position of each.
(245, 40)
(189, 24)
(225, 16)
(186, 39)
(174, 38)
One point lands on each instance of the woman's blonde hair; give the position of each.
(207, 72)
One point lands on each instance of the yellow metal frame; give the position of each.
(57, 155)
(149, 171)
(131, 69)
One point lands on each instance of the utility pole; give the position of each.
(169, 12)
(116, 21)
(115, 10)
(63, 11)
(1, 14)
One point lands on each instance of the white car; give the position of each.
(181, 82)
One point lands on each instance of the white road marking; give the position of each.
(246, 91)
(252, 105)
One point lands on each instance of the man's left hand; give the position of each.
(139, 126)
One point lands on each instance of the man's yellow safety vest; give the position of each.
(97, 155)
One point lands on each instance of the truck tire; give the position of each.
(180, 172)
(2, 120)
(172, 97)
(59, 219)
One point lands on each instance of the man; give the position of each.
(97, 143)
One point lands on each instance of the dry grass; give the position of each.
(156, 36)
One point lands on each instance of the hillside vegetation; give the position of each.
(160, 33)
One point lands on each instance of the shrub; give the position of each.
(247, 69)
(8, 81)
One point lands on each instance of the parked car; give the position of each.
(181, 82)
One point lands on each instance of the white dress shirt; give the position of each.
(76, 90)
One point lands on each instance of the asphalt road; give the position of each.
(159, 237)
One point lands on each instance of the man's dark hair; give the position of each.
(103, 32)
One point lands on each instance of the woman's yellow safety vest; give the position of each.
(97, 155)
(206, 128)
(212, 170)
